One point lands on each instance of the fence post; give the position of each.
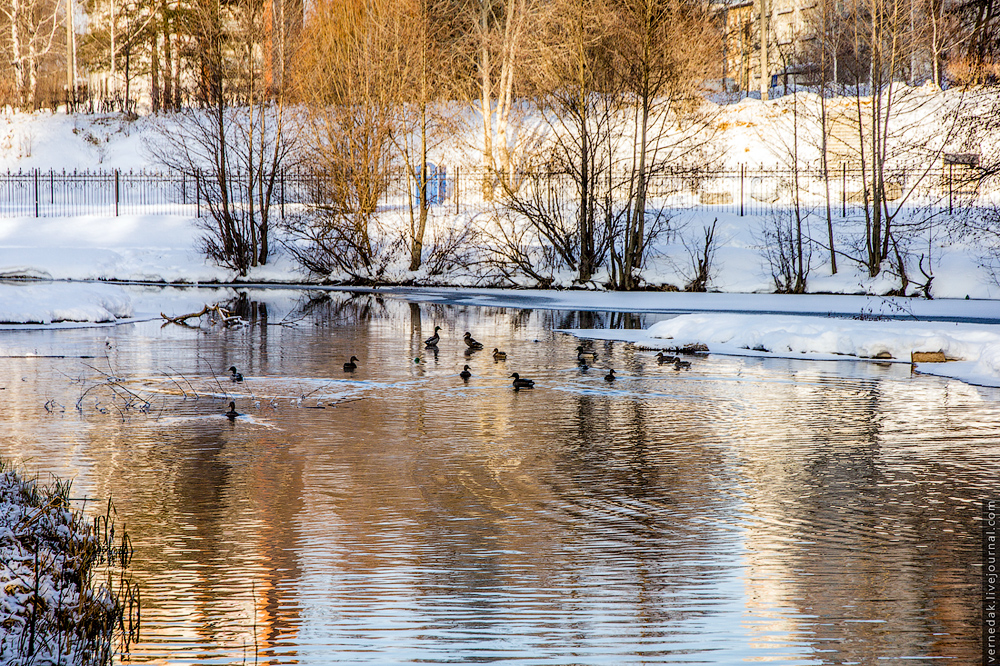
(742, 171)
(282, 194)
(197, 190)
(36, 192)
(117, 196)
(52, 195)
(456, 188)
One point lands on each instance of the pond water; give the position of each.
(746, 509)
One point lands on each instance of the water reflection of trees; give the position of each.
(562, 319)
(844, 529)
(642, 475)
(202, 503)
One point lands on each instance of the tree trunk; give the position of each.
(586, 222)
(168, 87)
(765, 67)
(154, 72)
(17, 60)
(486, 97)
(417, 247)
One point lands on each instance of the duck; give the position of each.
(351, 365)
(232, 413)
(522, 382)
(499, 355)
(610, 377)
(585, 354)
(471, 342)
(682, 365)
(662, 358)
(433, 340)
(465, 374)
(236, 376)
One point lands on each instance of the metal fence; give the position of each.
(740, 191)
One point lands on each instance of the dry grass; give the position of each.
(66, 597)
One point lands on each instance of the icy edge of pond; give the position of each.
(63, 303)
(972, 350)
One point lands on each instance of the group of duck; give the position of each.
(584, 356)
(472, 345)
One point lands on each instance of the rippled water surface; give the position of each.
(744, 510)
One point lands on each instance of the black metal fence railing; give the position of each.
(742, 191)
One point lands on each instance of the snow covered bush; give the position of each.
(52, 607)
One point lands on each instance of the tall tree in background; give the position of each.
(496, 37)
(975, 55)
(117, 43)
(31, 29)
(239, 143)
(664, 52)
(427, 75)
(350, 79)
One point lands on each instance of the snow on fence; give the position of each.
(742, 191)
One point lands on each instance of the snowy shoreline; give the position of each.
(57, 607)
(90, 269)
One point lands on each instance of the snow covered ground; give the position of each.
(54, 271)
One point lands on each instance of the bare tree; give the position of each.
(31, 31)
(238, 145)
(350, 79)
(701, 253)
(427, 77)
(580, 106)
(887, 116)
(495, 39)
(664, 51)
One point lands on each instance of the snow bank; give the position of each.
(972, 350)
(51, 302)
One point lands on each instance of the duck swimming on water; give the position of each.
(610, 377)
(433, 340)
(236, 376)
(522, 382)
(662, 358)
(471, 342)
(499, 355)
(585, 354)
(232, 413)
(465, 374)
(351, 365)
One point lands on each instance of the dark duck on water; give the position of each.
(433, 340)
(471, 342)
(522, 382)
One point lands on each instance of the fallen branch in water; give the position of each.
(225, 316)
